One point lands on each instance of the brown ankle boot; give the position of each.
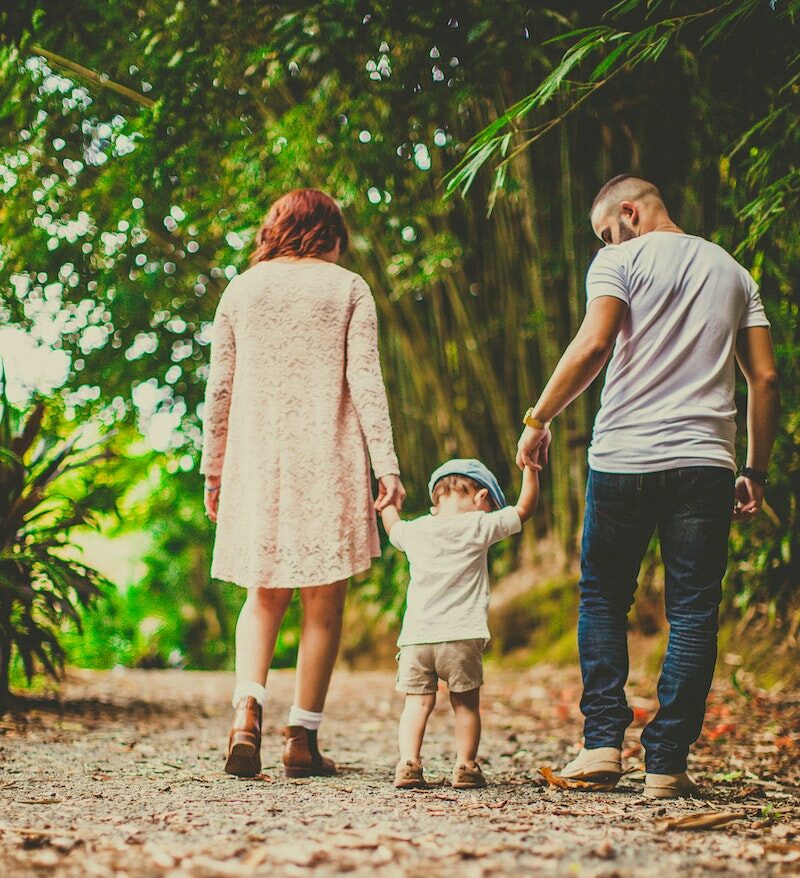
(301, 756)
(244, 740)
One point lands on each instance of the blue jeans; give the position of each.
(691, 509)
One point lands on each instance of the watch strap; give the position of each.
(530, 420)
(755, 475)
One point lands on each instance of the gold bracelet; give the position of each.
(530, 420)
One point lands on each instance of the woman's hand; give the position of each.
(390, 493)
(211, 496)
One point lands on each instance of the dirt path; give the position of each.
(122, 777)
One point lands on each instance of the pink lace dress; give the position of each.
(295, 409)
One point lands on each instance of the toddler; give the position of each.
(445, 629)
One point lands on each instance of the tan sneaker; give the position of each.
(598, 765)
(408, 775)
(669, 786)
(466, 778)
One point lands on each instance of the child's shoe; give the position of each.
(244, 740)
(669, 786)
(408, 775)
(597, 765)
(467, 777)
(301, 756)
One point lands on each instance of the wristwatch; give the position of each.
(755, 475)
(530, 420)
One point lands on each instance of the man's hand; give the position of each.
(749, 499)
(390, 493)
(211, 497)
(532, 448)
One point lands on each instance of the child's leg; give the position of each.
(466, 706)
(413, 720)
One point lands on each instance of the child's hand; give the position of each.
(533, 446)
(390, 493)
(211, 496)
(389, 516)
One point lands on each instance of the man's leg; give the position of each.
(694, 546)
(618, 524)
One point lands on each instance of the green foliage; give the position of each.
(140, 145)
(45, 493)
(622, 48)
(539, 624)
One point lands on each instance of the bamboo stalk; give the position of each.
(97, 78)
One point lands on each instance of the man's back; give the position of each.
(668, 399)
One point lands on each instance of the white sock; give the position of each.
(308, 719)
(249, 688)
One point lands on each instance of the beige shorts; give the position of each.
(459, 663)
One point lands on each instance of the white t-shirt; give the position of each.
(448, 595)
(668, 399)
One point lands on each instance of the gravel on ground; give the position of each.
(120, 774)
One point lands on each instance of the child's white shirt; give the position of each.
(448, 595)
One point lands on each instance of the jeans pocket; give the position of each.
(707, 490)
(614, 495)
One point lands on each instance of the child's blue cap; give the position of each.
(473, 469)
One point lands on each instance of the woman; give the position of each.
(295, 403)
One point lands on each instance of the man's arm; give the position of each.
(581, 363)
(529, 493)
(756, 359)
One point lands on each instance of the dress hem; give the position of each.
(334, 577)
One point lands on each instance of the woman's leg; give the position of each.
(323, 606)
(466, 706)
(257, 632)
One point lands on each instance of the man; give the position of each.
(675, 310)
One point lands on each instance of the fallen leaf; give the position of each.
(564, 783)
(256, 857)
(548, 851)
(604, 850)
(701, 821)
(38, 801)
(218, 867)
(161, 858)
(781, 847)
(720, 730)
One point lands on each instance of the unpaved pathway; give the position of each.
(121, 776)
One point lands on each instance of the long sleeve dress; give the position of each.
(295, 409)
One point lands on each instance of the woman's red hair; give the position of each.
(304, 222)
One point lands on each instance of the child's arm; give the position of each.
(389, 516)
(529, 493)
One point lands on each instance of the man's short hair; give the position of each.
(624, 187)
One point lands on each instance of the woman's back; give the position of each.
(295, 401)
(289, 318)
